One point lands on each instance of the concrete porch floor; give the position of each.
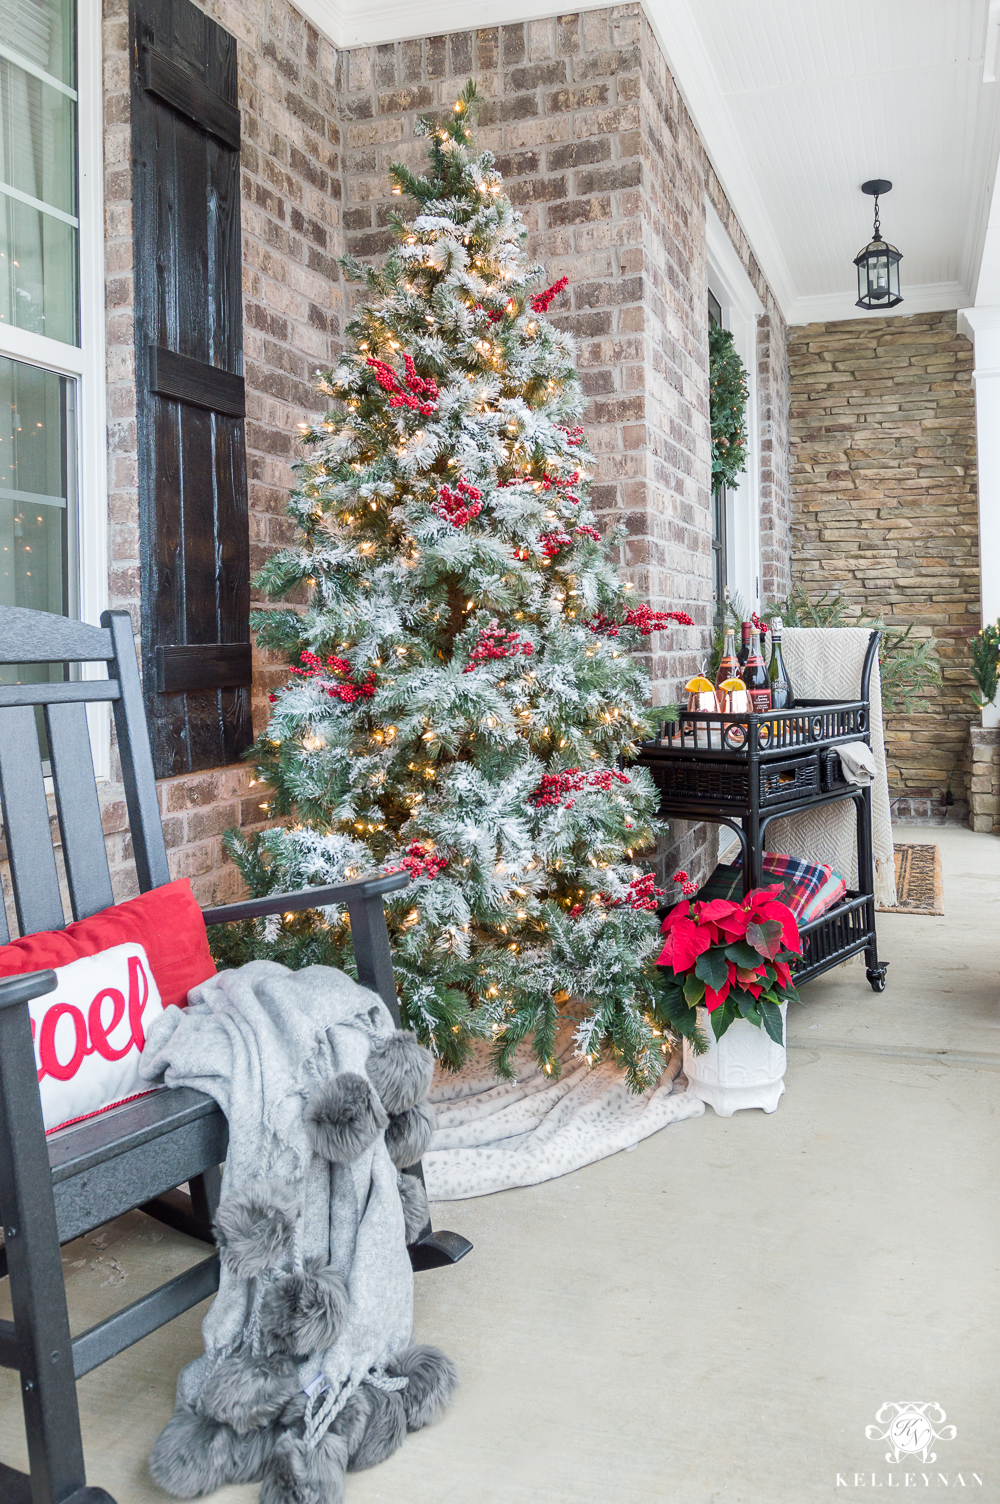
(727, 1306)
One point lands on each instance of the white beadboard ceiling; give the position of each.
(798, 102)
(828, 93)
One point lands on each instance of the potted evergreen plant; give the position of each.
(727, 965)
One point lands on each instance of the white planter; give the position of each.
(745, 1068)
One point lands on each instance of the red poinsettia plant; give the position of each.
(732, 959)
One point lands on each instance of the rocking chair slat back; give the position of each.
(136, 757)
(26, 824)
(41, 637)
(37, 637)
(85, 857)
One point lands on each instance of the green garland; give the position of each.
(727, 406)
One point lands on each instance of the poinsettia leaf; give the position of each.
(694, 989)
(689, 940)
(765, 938)
(773, 1021)
(722, 1018)
(694, 1036)
(670, 990)
(678, 1016)
(711, 967)
(684, 1020)
(748, 1008)
(743, 955)
(716, 909)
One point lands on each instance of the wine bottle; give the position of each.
(781, 686)
(728, 667)
(744, 652)
(755, 678)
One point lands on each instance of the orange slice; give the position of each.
(699, 685)
(730, 684)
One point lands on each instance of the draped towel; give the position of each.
(825, 663)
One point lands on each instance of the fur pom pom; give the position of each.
(385, 1429)
(408, 1135)
(254, 1227)
(303, 1312)
(195, 1455)
(433, 1379)
(416, 1212)
(247, 1391)
(343, 1118)
(401, 1071)
(298, 1474)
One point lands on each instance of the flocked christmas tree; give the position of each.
(461, 686)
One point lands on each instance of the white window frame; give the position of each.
(86, 364)
(741, 308)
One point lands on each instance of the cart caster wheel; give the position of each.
(876, 976)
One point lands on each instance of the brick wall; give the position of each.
(601, 157)
(599, 154)
(292, 297)
(884, 510)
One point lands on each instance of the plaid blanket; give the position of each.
(809, 889)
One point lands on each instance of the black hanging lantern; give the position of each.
(878, 263)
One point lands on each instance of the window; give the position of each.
(39, 226)
(37, 488)
(52, 426)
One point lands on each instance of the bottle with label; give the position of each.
(744, 652)
(728, 667)
(781, 686)
(755, 677)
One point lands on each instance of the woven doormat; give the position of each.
(919, 887)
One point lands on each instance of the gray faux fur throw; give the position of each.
(308, 1367)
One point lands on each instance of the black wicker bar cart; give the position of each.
(744, 771)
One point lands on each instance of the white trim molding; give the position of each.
(831, 308)
(92, 541)
(982, 326)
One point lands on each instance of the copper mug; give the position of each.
(733, 698)
(702, 698)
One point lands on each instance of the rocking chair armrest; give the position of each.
(25, 988)
(375, 884)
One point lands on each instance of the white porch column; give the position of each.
(982, 325)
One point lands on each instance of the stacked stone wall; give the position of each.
(884, 513)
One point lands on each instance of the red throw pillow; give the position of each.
(166, 922)
(115, 972)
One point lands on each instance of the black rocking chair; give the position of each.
(54, 1190)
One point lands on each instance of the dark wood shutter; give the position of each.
(194, 524)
